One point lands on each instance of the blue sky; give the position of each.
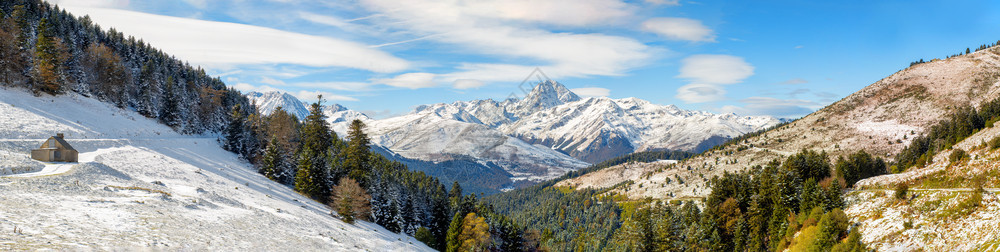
(384, 57)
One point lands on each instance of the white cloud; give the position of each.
(467, 84)
(305, 96)
(715, 69)
(591, 91)
(791, 108)
(698, 93)
(410, 80)
(310, 96)
(679, 29)
(272, 81)
(92, 3)
(663, 2)
(708, 74)
(335, 85)
(244, 87)
(559, 12)
(200, 4)
(213, 43)
(795, 81)
(469, 26)
(323, 19)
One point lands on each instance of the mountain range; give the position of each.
(549, 132)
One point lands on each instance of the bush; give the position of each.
(424, 235)
(901, 191)
(957, 156)
(995, 142)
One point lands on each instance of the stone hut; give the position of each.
(55, 149)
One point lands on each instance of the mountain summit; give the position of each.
(545, 95)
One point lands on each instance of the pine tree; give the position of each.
(358, 153)
(49, 56)
(12, 59)
(454, 229)
(273, 160)
(440, 214)
(312, 176)
(308, 179)
(234, 131)
(170, 111)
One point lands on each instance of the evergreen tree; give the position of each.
(49, 56)
(170, 113)
(234, 131)
(311, 178)
(440, 220)
(358, 153)
(454, 229)
(811, 196)
(273, 160)
(12, 59)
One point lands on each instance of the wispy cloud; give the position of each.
(591, 91)
(679, 29)
(708, 73)
(304, 95)
(795, 81)
(467, 84)
(220, 43)
(410, 80)
(93, 3)
(791, 108)
(483, 28)
(664, 2)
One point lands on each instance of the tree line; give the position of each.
(46, 50)
(959, 125)
(761, 209)
(360, 184)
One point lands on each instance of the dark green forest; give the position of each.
(48, 51)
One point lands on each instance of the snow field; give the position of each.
(140, 185)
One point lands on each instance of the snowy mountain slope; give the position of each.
(598, 128)
(140, 185)
(430, 136)
(595, 129)
(881, 119)
(267, 102)
(336, 114)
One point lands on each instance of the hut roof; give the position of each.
(62, 142)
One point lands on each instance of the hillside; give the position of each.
(139, 184)
(880, 119)
(951, 203)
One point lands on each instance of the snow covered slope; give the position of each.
(595, 129)
(140, 185)
(599, 128)
(433, 137)
(267, 102)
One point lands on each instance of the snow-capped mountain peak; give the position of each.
(545, 95)
(269, 101)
